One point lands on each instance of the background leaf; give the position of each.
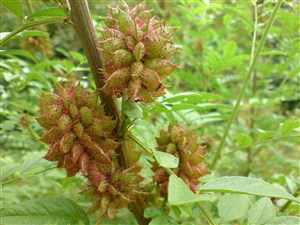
(245, 185)
(49, 12)
(15, 6)
(44, 211)
(285, 220)
(233, 207)
(261, 212)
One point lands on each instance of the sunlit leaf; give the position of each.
(245, 185)
(261, 212)
(165, 159)
(233, 207)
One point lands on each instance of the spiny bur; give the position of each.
(81, 137)
(136, 49)
(183, 144)
(74, 121)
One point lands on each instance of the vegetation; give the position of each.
(161, 113)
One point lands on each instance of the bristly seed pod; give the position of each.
(67, 115)
(139, 51)
(64, 122)
(133, 39)
(182, 143)
(86, 115)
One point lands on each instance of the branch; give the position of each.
(28, 26)
(244, 85)
(82, 22)
(288, 203)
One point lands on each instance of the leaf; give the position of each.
(200, 107)
(229, 50)
(44, 211)
(166, 160)
(261, 212)
(179, 193)
(161, 220)
(18, 52)
(192, 97)
(132, 110)
(244, 140)
(289, 125)
(34, 33)
(151, 212)
(15, 6)
(233, 207)
(49, 12)
(245, 185)
(285, 220)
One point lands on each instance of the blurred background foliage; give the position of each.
(216, 40)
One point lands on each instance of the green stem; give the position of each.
(29, 7)
(29, 25)
(252, 109)
(288, 203)
(34, 174)
(147, 150)
(34, 135)
(209, 220)
(244, 85)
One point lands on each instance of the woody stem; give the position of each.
(82, 22)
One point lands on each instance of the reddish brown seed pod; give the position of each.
(134, 39)
(79, 112)
(182, 143)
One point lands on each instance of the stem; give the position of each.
(244, 85)
(28, 26)
(29, 7)
(82, 22)
(19, 178)
(209, 220)
(252, 110)
(287, 204)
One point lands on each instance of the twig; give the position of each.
(29, 7)
(209, 220)
(244, 86)
(31, 175)
(287, 204)
(30, 25)
(252, 110)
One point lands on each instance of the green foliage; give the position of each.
(15, 7)
(179, 193)
(245, 185)
(261, 212)
(44, 211)
(165, 159)
(233, 207)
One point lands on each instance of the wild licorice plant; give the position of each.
(89, 134)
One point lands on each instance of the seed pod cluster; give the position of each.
(182, 143)
(76, 128)
(81, 137)
(115, 189)
(38, 44)
(136, 50)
